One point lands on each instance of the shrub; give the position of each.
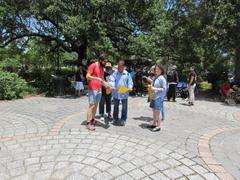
(12, 86)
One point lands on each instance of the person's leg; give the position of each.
(193, 93)
(169, 94)
(162, 112)
(190, 94)
(174, 92)
(153, 122)
(90, 117)
(137, 88)
(157, 114)
(124, 110)
(90, 112)
(91, 101)
(116, 109)
(154, 118)
(94, 111)
(141, 88)
(101, 105)
(98, 96)
(108, 105)
(158, 117)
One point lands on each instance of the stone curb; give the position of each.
(206, 153)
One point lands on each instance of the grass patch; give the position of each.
(205, 85)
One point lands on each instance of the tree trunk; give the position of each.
(237, 66)
(82, 51)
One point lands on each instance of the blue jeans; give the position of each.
(124, 109)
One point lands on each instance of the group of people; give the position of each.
(106, 85)
(173, 79)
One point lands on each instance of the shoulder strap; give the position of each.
(95, 66)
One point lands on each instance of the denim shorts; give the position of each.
(94, 96)
(157, 104)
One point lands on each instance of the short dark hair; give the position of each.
(102, 56)
(160, 67)
(120, 61)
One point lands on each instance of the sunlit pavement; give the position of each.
(45, 138)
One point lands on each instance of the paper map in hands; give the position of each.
(123, 89)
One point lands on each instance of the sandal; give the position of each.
(93, 121)
(90, 126)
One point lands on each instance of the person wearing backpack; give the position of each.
(172, 78)
(95, 77)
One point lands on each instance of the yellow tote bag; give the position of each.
(150, 92)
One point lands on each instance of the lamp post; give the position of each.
(58, 53)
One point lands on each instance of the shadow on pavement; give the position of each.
(68, 97)
(143, 118)
(103, 124)
(185, 104)
(145, 126)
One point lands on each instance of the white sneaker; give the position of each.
(102, 118)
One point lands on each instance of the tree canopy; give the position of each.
(184, 32)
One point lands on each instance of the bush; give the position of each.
(205, 85)
(12, 86)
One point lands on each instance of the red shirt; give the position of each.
(95, 70)
(225, 89)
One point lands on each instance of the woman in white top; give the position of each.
(79, 82)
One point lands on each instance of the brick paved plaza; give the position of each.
(45, 138)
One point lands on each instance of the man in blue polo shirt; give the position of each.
(122, 83)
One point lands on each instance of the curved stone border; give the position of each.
(53, 131)
(59, 124)
(206, 153)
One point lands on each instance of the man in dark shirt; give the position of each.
(106, 95)
(139, 83)
(191, 86)
(172, 78)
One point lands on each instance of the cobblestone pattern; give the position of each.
(52, 143)
(94, 155)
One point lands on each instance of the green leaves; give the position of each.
(12, 86)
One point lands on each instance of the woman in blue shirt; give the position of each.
(159, 87)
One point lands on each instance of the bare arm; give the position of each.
(157, 89)
(90, 77)
(148, 79)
